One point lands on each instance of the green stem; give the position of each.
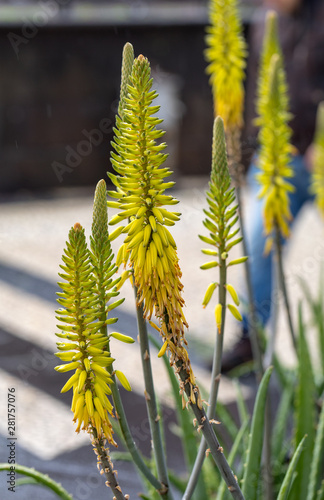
(268, 358)
(215, 380)
(39, 478)
(212, 442)
(124, 427)
(269, 354)
(107, 466)
(122, 419)
(150, 398)
(283, 286)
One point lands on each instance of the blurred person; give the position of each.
(301, 33)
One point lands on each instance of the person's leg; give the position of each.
(261, 264)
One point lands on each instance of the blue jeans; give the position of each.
(261, 265)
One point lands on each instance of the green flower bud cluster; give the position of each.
(87, 287)
(221, 218)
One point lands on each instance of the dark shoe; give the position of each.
(240, 353)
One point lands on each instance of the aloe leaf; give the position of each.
(317, 465)
(287, 482)
(320, 493)
(41, 479)
(283, 374)
(241, 404)
(281, 421)
(305, 413)
(318, 313)
(253, 461)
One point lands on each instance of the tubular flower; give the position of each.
(149, 246)
(226, 54)
(220, 218)
(274, 158)
(317, 185)
(84, 347)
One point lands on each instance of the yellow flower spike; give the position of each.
(226, 54)
(79, 322)
(233, 293)
(235, 312)
(218, 316)
(274, 136)
(138, 161)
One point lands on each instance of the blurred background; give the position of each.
(59, 86)
(60, 75)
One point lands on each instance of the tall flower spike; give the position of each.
(317, 184)
(83, 346)
(220, 219)
(149, 245)
(104, 270)
(226, 54)
(274, 157)
(270, 47)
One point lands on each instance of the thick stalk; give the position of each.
(129, 441)
(268, 481)
(150, 398)
(123, 423)
(107, 467)
(283, 287)
(215, 380)
(212, 442)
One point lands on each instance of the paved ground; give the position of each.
(32, 235)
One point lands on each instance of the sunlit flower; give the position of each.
(274, 136)
(226, 54)
(83, 346)
(149, 247)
